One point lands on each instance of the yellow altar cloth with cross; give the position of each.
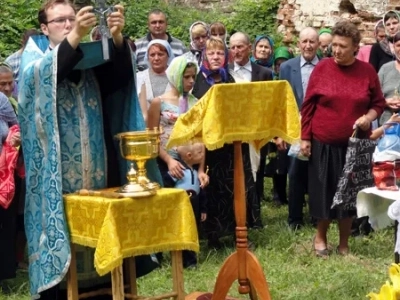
(125, 227)
(251, 112)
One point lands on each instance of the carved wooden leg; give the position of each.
(226, 276)
(256, 277)
(117, 281)
(130, 264)
(177, 274)
(72, 279)
(253, 292)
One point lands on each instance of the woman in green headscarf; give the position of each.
(281, 55)
(165, 110)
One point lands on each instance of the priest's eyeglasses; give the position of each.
(62, 20)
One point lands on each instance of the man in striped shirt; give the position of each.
(157, 24)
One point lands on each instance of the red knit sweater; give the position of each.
(336, 97)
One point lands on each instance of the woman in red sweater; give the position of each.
(342, 92)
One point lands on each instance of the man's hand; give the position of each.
(204, 179)
(363, 123)
(116, 23)
(280, 144)
(85, 20)
(305, 148)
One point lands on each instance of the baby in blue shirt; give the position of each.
(190, 156)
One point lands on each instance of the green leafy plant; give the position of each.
(16, 17)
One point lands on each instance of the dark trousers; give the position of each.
(298, 180)
(260, 173)
(279, 182)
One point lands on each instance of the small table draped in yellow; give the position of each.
(120, 228)
(251, 112)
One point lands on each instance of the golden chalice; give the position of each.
(138, 147)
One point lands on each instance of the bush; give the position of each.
(16, 17)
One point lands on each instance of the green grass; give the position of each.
(291, 269)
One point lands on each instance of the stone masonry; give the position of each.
(294, 15)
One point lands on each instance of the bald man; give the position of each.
(243, 70)
(325, 39)
(297, 72)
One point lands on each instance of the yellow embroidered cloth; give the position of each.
(120, 228)
(251, 112)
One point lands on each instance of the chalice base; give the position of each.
(137, 190)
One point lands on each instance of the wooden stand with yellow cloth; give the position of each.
(240, 113)
(121, 228)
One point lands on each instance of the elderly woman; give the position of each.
(389, 77)
(263, 51)
(220, 219)
(153, 82)
(383, 52)
(199, 34)
(7, 216)
(329, 115)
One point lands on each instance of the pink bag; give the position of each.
(8, 165)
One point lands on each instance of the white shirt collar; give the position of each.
(246, 66)
(313, 62)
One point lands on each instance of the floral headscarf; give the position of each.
(163, 43)
(175, 73)
(260, 62)
(206, 28)
(222, 71)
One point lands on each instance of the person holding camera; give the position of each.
(72, 102)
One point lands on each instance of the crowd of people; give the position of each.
(69, 103)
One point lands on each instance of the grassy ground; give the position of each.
(287, 259)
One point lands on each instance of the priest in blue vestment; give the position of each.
(72, 102)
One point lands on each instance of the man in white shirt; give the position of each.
(243, 70)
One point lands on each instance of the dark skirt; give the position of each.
(7, 241)
(324, 170)
(220, 207)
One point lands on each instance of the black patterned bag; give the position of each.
(357, 172)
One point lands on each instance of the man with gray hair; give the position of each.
(243, 70)
(297, 72)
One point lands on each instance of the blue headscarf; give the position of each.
(165, 44)
(222, 71)
(260, 62)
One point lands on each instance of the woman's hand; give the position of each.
(363, 123)
(305, 148)
(204, 179)
(15, 140)
(393, 103)
(175, 168)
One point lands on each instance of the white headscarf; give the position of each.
(165, 44)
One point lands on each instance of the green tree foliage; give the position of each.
(254, 17)
(16, 16)
(250, 16)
